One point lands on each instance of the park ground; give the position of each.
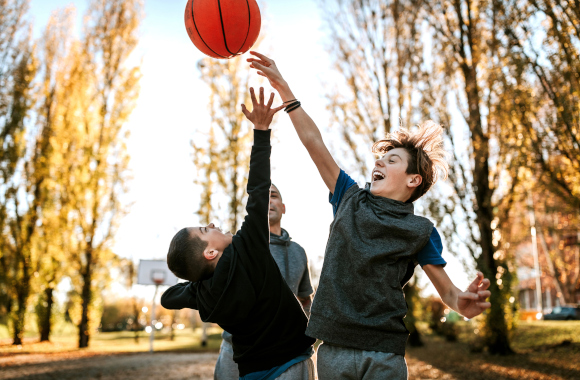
(544, 350)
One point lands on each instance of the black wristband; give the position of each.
(291, 105)
(293, 108)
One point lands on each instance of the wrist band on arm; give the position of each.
(291, 104)
(292, 107)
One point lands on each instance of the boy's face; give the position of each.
(277, 208)
(213, 236)
(390, 178)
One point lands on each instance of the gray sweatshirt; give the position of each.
(293, 263)
(360, 302)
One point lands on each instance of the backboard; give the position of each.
(155, 272)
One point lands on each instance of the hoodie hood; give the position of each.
(283, 239)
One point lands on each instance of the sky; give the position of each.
(173, 103)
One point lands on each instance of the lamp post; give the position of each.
(535, 253)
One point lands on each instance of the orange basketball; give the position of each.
(223, 28)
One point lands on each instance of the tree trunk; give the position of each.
(497, 340)
(19, 314)
(136, 320)
(86, 295)
(22, 294)
(45, 324)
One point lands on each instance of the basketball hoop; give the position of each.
(157, 276)
(154, 272)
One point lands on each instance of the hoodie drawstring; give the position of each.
(287, 263)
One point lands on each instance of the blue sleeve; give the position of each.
(431, 253)
(343, 183)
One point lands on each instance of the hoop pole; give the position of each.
(152, 318)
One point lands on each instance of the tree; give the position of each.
(53, 231)
(105, 88)
(15, 102)
(543, 56)
(223, 159)
(20, 179)
(22, 217)
(377, 48)
(483, 178)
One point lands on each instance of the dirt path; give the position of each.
(140, 366)
(165, 366)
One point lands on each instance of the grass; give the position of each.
(117, 342)
(539, 335)
(543, 350)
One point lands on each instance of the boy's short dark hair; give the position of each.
(185, 257)
(426, 153)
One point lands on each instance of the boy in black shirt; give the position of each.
(235, 282)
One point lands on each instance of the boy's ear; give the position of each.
(415, 180)
(210, 253)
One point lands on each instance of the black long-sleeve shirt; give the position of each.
(247, 295)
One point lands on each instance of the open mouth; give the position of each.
(377, 176)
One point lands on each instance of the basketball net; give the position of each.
(158, 277)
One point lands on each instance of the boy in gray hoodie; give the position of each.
(374, 244)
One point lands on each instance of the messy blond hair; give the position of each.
(426, 154)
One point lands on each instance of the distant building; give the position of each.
(526, 289)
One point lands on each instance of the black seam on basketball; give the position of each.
(249, 25)
(199, 34)
(223, 29)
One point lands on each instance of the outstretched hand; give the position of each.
(473, 302)
(262, 114)
(266, 67)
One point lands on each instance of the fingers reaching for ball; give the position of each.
(262, 114)
(266, 67)
(262, 59)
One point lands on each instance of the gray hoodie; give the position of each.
(293, 263)
(372, 244)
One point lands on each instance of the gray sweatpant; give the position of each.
(227, 369)
(334, 363)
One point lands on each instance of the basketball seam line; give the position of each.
(199, 34)
(249, 24)
(223, 29)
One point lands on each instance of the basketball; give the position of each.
(223, 28)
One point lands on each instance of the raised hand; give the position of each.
(262, 114)
(473, 302)
(266, 67)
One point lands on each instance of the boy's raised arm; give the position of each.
(305, 127)
(255, 226)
